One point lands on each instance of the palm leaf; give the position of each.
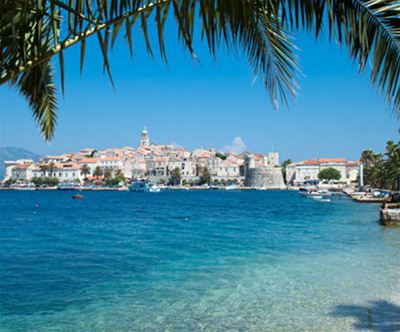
(33, 32)
(37, 86)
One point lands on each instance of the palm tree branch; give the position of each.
(37, 86)
(371, 30)
(61, 46)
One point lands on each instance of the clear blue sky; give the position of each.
(337, 114)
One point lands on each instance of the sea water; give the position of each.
(195, 261)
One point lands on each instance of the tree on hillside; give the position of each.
(97, 172)
(85, 170)
(175, 178)
(329, 174)
(34, 32)
(205, 178)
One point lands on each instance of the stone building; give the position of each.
(268, 176)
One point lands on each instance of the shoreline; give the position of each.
(163, 189)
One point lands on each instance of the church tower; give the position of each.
(144, 138)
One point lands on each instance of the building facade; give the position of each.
(155, 161)
(306, 171)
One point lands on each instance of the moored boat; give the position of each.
(143, 185)
(23, 186)
(314, 192)
(69, 186)
(231, 187)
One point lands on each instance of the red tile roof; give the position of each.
(22, 166)
(89, 160)
(332, 160)
(311, 162)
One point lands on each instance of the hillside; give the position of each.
(13, 153)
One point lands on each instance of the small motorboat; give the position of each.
(77, 196)
(144, 186)
(314, 192)
(231, 187)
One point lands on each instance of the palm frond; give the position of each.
(33, 32)
(277, 62)
(37, 86)
(371, 31)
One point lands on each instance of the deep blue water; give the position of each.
(194, 260)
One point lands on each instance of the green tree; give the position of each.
(392, 165)
(51, 168)
(9, 182)
(119, 175)
(45, 182)
(369, 157)
(205, 177)
(107, 173)
(44, 168)
(97, 172)
(175, 178)
(382, 170)
(85, 170)
(221, 155)
(33, 32)
(283, 168)
(329, 174)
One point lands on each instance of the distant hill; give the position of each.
(13, 153)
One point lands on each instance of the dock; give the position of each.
(390, 214)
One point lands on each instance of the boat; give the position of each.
(314, 192)
(231, 187)
(69, 186)
(23, 186)
(77, 196)
(316, 197)
(143, 186)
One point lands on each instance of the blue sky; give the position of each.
(336, 114)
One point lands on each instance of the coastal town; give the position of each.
(92, 168)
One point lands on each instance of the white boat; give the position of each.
(314, 192)
(231, 187)
(143, 186)
(316, 197)
(324, 193)
(23, 186)
(69, 185)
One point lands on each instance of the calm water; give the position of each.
(195, 261)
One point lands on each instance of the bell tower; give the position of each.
(144, 138)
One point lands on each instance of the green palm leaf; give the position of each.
(33, 32)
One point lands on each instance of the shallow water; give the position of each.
(195, 260)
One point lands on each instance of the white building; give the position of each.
(22, 172)
(10, 164)
(308, 170)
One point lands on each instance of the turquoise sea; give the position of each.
(195, 261)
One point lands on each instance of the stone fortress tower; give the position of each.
(144, 138)
(268, 176)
